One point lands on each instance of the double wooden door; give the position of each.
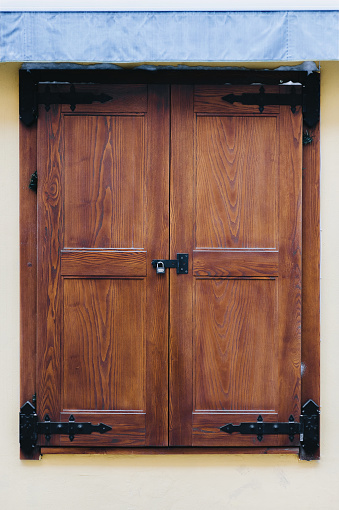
(166, 360)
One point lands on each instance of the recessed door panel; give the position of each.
(104, 181)
(235, 345)
(236, 181)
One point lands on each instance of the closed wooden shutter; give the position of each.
(166, 360)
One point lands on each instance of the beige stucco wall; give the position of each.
(167, 482)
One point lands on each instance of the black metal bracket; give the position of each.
(30, 427)
(307, 428)
(180, 263)
(72, 98)
(309, 99)
(31, 75)
(265, 99)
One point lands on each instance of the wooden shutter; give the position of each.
(236, 319)
(102, 312)
(168, 360)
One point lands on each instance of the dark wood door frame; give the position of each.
(310, 356)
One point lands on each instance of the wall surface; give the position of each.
(181, 482)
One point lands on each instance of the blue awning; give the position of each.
(122, 37)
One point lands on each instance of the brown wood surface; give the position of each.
(104, 192)
(246, 197)
(234, 344)
(236, 181)
(235, 263)
(157, 186)
(181, 286)
(290, 246)
(50, 239)
(103, 263)
(28, 269)
(310, 347)
(103, 354)
(104, 165)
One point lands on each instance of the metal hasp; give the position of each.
(308, 427)
(180, 263)
(30, 427)
(309, 98)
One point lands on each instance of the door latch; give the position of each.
(180, 263)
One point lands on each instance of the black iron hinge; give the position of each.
(31, 428)
(308, 98)
(307, 427)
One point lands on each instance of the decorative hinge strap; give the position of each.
(307, 428)
(30, 427)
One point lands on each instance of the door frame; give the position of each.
(30, 78)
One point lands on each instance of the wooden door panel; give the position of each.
(103, 262)
(236, 263)
(103, 208)
(104, 181)
(235, 345)
(236, 180)
(104, 344)
(244, 233)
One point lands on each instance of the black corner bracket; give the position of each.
(31, 428)
(307, 428)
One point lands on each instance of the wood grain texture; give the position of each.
(28, 269)
(103, 355)
(50, 234)
(208, 99)
(157, 191)
(310, 347)
(104, 181)
(235, 263)
(107, 329)
(290, 246)
(235, 356)
(246, 198)
(103, 263)
(181, 286)
(236, 182)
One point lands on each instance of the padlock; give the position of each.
(160, 267)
